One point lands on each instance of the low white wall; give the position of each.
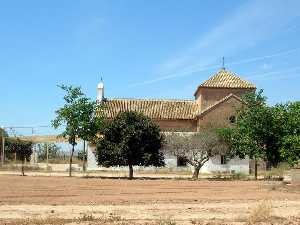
(237, 165)
(213, 165)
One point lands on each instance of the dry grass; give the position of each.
(275, 173)
(89, 219)
(85, 219)
(261, 213)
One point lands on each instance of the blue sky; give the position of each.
(142, 49)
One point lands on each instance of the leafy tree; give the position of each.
(253, 134)
(77, 117)
(290, 149)
(196, 148)
(92, 123)
(130, 139)
(53, 151)
(288, 115)
(265, 132)
(82, 155)
(23, 150)
(3, 134)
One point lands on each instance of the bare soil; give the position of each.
(143, 201)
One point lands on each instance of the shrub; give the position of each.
(260, 213)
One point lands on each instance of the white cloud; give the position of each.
(266, 66)
(245, 27)
(274, 74)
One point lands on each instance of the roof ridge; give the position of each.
(226, 79)
(219, 102)
(156, 109)
(153, 99)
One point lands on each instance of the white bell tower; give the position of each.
(100, 91)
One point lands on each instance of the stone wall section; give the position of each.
(220, 115)
(209, 96)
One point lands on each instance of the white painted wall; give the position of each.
(91, 159)
(235, 164)
(212, 165)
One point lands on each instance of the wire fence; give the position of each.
(47, 154)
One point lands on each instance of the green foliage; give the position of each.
(53, 151)
(240, 145)
(23, 149)
(288, 116)
(82, 155)
(264, 132)
(249, 136)
(130, 139)
(290, 149)
(78, 117)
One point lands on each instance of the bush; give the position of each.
(261, 213)
(239, 176)
(276, 173)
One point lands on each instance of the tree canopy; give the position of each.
(77, 116)
(130, 139)
(270, 133)
(196, 148)
(21, 149)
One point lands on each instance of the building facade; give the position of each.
(215, 103)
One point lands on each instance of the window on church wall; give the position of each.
(223, 160)
(232, 119)
(181, 161)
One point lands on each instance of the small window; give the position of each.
(232, 119)
(223, 160)
(181, 161)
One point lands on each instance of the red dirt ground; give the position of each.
(142, 199)
(65, 190)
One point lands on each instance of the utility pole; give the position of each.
(47, 155)
(3, 146)
(33, 148)
(84, 154)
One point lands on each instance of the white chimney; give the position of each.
(100, 91)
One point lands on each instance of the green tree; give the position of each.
(265, 132)
(82, 155)
(92, 123)
(53, 151)
(77, 117)
(253, 134)
(288, 116)
(130, 139)
(23, 150)
(290, 149)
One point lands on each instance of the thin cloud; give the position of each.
(189, 71)
(282, 73)
(243, 28)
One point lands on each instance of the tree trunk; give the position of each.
(22, 167)
(130, 172)
(196, 171)
(70, 164)
(83, 164)
(255, 169)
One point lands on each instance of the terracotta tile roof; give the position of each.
(154, 108)
(226, 79)
(208, 109)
